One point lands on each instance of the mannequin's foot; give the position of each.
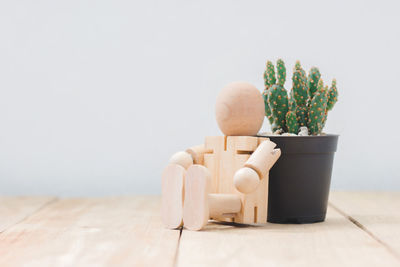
(172, 196)
(197, 187)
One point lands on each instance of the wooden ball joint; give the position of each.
(246, 180)
(226, 178)
(182, 158)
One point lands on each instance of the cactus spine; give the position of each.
(309, 100)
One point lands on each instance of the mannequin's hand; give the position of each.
(246, 180)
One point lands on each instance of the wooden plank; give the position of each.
(335, 242)
(376, 212)
(92, 232)
(15, 209)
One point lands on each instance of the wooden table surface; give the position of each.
(361, 229)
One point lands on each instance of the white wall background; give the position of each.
(96, 95)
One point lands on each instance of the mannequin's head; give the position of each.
(240, 109)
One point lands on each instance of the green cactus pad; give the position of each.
(292, 102)
(302, 115)
(271, 73)
(268, 113)
(266, 83)
(324, 119)
(291, 122)
(297, 67)
(300, 90)
(278, 102)
(316, 114)
(313, 79)
(281, 72)
(332, 96)
(300, 94)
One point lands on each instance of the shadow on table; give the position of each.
(331, 223)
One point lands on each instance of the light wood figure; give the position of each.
(225, 179)
(229, 155)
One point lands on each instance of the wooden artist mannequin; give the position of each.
(225, 179)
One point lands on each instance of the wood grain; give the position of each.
(15, 209)
(377, 213)
(127, 231)
(336, 242)
(92, 232)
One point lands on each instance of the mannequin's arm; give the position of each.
(246, 179)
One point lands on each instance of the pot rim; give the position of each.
(305, 144)
(300, 136)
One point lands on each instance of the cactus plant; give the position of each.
(309, 100)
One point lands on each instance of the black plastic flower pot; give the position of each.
(299, 181)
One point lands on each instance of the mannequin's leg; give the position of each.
(200, 205)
